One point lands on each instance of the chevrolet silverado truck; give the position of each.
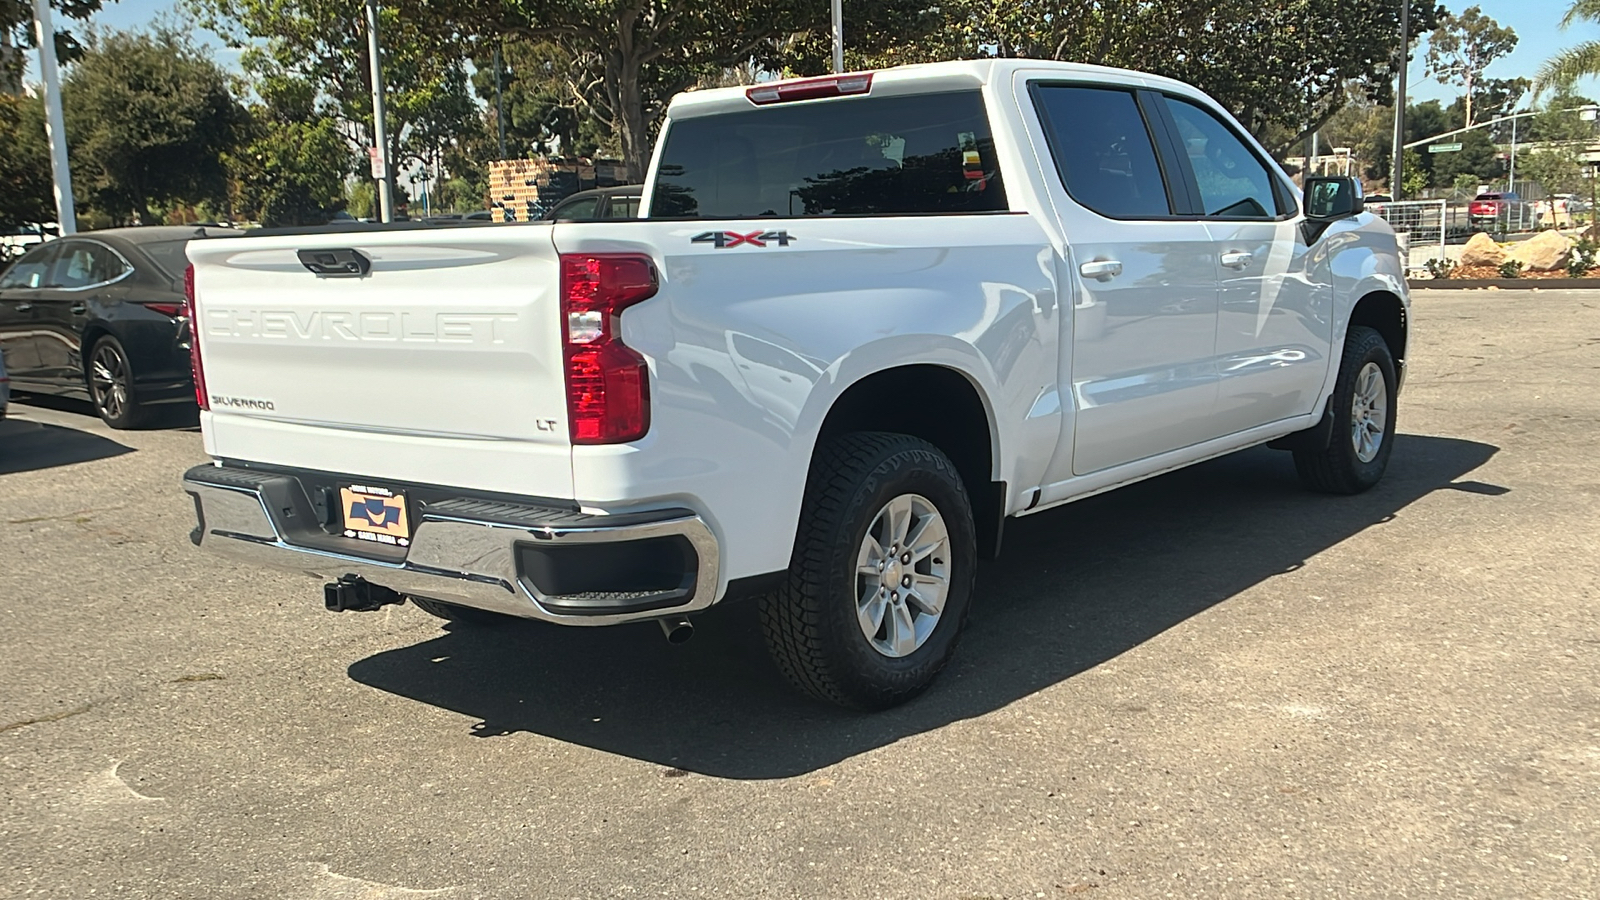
(861, 321)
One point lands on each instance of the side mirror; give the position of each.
(1329, 198)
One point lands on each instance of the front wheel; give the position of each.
(882, 572)
(1363, 412)
(111, 389)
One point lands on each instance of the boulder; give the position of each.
(1481, 250)
(1547, 251)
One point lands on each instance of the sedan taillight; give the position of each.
(608, 382)
(196, 368)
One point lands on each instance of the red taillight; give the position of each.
(810, 88)
(608, 384)
(1483, 209)
(195, 367)
(170, 310)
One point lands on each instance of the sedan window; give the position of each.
(82, 264)
(29, 271)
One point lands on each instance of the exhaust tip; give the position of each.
(678, 629)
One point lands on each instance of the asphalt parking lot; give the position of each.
(1209, 685)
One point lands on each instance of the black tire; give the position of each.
(1338, 468)
(466, 615)
(108, 374)
(811, 623)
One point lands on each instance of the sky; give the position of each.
(1533, 20)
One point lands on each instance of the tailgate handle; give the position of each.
(335, 263)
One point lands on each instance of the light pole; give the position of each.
(380, 132)
(54, 124)
(1398, 170)
(838, 36)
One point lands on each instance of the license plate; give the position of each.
(375, 514)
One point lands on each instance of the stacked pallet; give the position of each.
(522, 190)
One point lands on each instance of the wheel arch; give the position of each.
(1384, 312)
(955, 416)
(92, 333)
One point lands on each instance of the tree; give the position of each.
(1261, 60)
(292, 166)
(1576, 62)
(150, 117)
(624, 59)
(317, 50)
(1556, 162)
(16, 28)
(1462, 47)
(1367, 129)
(548, 98)
(25, 184)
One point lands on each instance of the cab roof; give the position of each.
(927, 78)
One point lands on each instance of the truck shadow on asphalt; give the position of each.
(30, 446)
(1074, 587)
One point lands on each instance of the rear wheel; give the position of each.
(110, 378)
(1363, 420)
(466, 615)
(878, 589)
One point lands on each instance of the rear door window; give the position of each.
(915, 155)
(1103, 150)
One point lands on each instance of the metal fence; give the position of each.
(1424, 227)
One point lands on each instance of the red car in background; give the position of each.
(1500, 211)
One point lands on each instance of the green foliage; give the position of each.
(291, 170)
(1557, 164)
(1282, 67)
(1511, 268)
(149, 117)
(1463, 45)
(361, 199)
(1368, 130)
(1439, 268)
(1414, 179)
(25, 185)
(1580, 61)
(16, 23)
(1583, 258)
(620, 61)
(546, 108)
(308, 58)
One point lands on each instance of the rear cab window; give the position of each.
(1103, 151)
(921, 154)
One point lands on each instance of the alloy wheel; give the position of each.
(902, 575)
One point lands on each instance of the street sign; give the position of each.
(1444, 148)
(379, 170)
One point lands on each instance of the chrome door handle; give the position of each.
(79, 309)
(24, 307)
(1237, 259)
(1101, 269)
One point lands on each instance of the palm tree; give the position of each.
(1576, 62)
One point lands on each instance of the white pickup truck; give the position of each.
(862, 320)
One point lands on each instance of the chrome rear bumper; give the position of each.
(463, 551)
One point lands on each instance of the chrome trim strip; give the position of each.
(453, 559)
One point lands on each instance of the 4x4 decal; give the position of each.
(726, 239)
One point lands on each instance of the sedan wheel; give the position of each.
(111, 385)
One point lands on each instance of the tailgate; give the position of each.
(442, 364)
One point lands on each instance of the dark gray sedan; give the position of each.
(100, 316)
